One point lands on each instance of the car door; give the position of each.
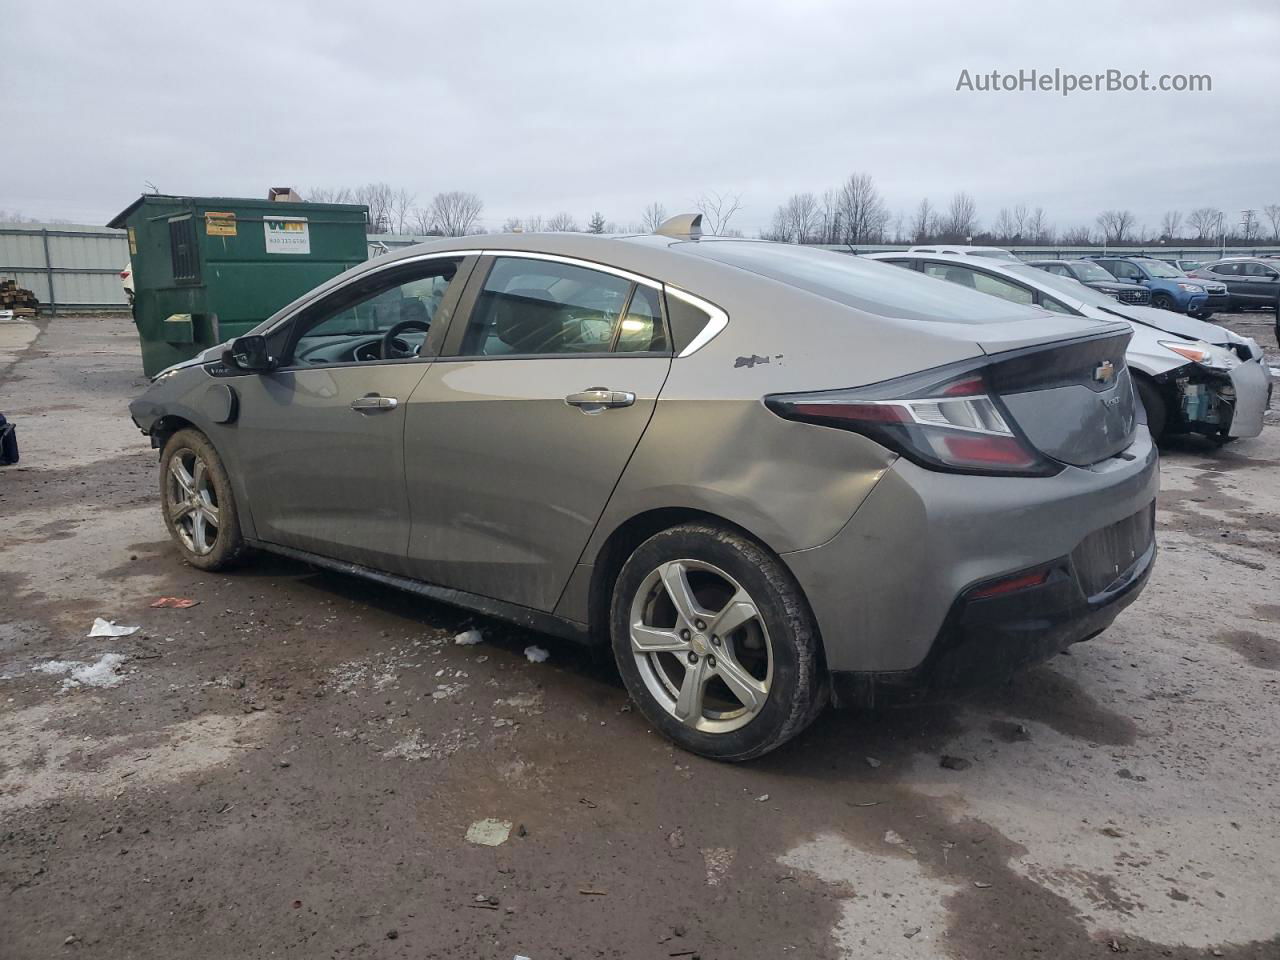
(1261, 282)
(1230, 274)
(322, 435)
(517, 435)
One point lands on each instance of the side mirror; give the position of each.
(249, 353)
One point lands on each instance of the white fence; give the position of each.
(67, 267)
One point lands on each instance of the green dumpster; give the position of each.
(206, 269)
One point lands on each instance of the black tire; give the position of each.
(784, 624)
(1154, 404)
(1162, 301)
(227, 547)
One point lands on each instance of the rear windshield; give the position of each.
(878, 288)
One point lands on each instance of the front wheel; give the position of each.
(199, 508)
(715, 642)
(1162, 301)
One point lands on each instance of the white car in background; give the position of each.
(126, 281)
(963, 250)
(1192, 376)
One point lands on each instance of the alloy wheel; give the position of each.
(701, 646)
(192, 501)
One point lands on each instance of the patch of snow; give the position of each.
(102, 673)
(535, 654)
(469, 638)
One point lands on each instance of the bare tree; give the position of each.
(1272, 212)
(378, 198)
(828, 229)
(1003, 229)
(1038, 229)
(1116, 225)
(329, 195)
(797, 220)
(961, 222)
(456, 212)
(1170, 224)
(653, 216)
(1205, 221)
(1019, 220)
(401, 208)
(863, 214)
(534, 224)
(562, 222)
(717, 210)
(921, 221)
(1077, 236)
(596, 223)
(421, 221)
(512, 225)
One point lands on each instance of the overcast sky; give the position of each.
(543, 107)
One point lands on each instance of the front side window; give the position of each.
(982, 282)
(352, 324)
(530, 307)
(1259, 270)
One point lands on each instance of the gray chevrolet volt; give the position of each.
(769, 476)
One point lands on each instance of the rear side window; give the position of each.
(867, 285)
(530, 307)
(1226, 269)
(982, 282)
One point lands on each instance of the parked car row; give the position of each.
(1192, 376)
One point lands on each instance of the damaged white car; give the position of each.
(1192, 376)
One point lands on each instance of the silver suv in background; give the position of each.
(767, 476)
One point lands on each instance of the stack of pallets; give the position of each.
(21, 301)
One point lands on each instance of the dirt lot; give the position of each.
(290, 768)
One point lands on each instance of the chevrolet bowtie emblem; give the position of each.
(1104, 372)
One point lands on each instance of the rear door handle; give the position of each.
(373, 403)
(596, 399)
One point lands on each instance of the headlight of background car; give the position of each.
(1202, 353)
(1191, 287)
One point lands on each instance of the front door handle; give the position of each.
(373, 403)
(597, 399)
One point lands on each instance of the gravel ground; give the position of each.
(291, 767)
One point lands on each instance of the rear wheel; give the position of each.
(715, 642)
(1154, 404)
(199, 508)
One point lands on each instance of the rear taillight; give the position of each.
(943, 422)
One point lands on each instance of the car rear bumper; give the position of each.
(892, 589)
(986, 640)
